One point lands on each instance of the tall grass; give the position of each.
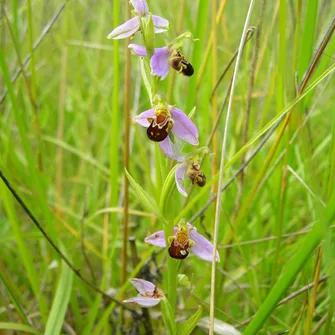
(62, 148)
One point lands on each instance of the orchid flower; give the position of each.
(149, 295)
(133, 25)
(164, 119)
(164, 58)
(192, 171)
(186, 239)
(189, 167)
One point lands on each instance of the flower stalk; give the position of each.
(170, 129)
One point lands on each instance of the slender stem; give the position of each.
(82, 237)
(224, 142)
(251, 82)
(204, 63)
(114, 143)
(280, 102)
(126, 158)
(311, 309)
(60, 130)
(214, 96)
(32, 87)
(250, 33)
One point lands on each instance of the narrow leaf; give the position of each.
(60, 303)
(18, 327)
(148, 203)
(295, 264)
(168, 317)
(187, 327)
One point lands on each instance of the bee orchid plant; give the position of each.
(169, 126)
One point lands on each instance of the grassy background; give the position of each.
(61, 146)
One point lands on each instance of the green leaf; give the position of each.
(18, 327)
(168, 318)
(13, 298)
(294, 265)
(148, 203)
(167, 189)
(148, 30)
(60, 303)
(187, 327)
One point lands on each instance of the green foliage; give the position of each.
(60, 302)
(145, 199)
(64, 156)
(187, 327)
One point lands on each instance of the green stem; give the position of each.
(171, 280)
(172, 264)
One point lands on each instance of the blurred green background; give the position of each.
(62, 145)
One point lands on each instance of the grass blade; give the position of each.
(60, 302)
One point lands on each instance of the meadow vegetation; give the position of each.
(68, 99)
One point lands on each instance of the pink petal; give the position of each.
(159, 62)
(140, 6)
(126, 29)
(170, 149)
(156, 239)
(142, 119)
(180, 176)
(143, 286)
(138, 50)
(202, 247)
(183, 127)
(144, 301)
(160, 24)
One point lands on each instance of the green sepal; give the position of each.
(178, 42)
(148, 31)
(145, 199)
(187, 327)
(183, 280)
(160, 102)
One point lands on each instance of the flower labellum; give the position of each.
(180, 243)
(189, 168)
(180, 64)
(149, 294)
(196, 176)
(160, 126)
(185, 240)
